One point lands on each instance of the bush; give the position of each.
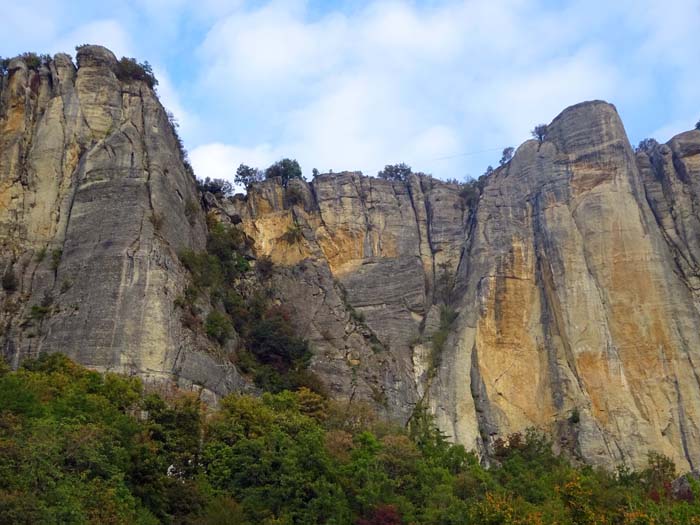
(273, 341)
(40, 254)
(9, 280)
(79, 446)
(247, 176)
(647, 145)
(218, 327)
(697, 125)
(56, 255)
(285, 170)
(540, 132)
(396, 172)
(470, 192)
(32, 60)
(220, 187)
(439, 337)
(130, 69)
(506, 155)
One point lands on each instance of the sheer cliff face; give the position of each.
(575, 281)
(575, 278)
(94, 204)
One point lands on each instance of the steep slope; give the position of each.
(576, 307)
(95, 202)
(565, 297)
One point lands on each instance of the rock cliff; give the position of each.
(563, 295)
(95, 202)
(574, 280)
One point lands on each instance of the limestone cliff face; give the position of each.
(566, 297)
(94, 204)
(575, 281)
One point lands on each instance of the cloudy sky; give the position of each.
(441, 85)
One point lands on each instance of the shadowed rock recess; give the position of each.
(566, 297)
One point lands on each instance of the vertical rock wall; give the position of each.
(574, 281)
(95, 203)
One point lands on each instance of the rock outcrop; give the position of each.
(95, 202)
(574, 280)
(565, 296)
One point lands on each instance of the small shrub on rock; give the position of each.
(130, 69)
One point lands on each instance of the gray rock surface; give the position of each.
(573, 277)
(574, 281)
(95, 203)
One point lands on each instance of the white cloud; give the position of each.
(109, 33)
(219, 161)
(399, 82)
(441, 85)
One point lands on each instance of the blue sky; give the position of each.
(440, 85)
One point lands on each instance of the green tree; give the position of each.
(284, 170)
(540, 132)
(398, 172)
(247, 176)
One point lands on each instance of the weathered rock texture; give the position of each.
(574, 276)
(95, 202)
(575, 279)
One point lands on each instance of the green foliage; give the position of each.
(647, 145)
(220, 187)
(38, 312)
(439, 337)
(397, 172)
(77, 446)
(40, 255)
(285, 170)
(32, 60)
(697, 125)
(471, 191)
(56, 255)
(130, 69)
(506, 155)
(247, 176)
(218, 326)
(540, 132)
(272, 353)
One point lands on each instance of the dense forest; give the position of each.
(77, 446)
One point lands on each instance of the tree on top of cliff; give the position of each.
(540, 132)
(130, 69)
(506, 155)
(647, 145)
(285, 169)
(215, 186)
(246, 176)
(398, 172)
(697, 125)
